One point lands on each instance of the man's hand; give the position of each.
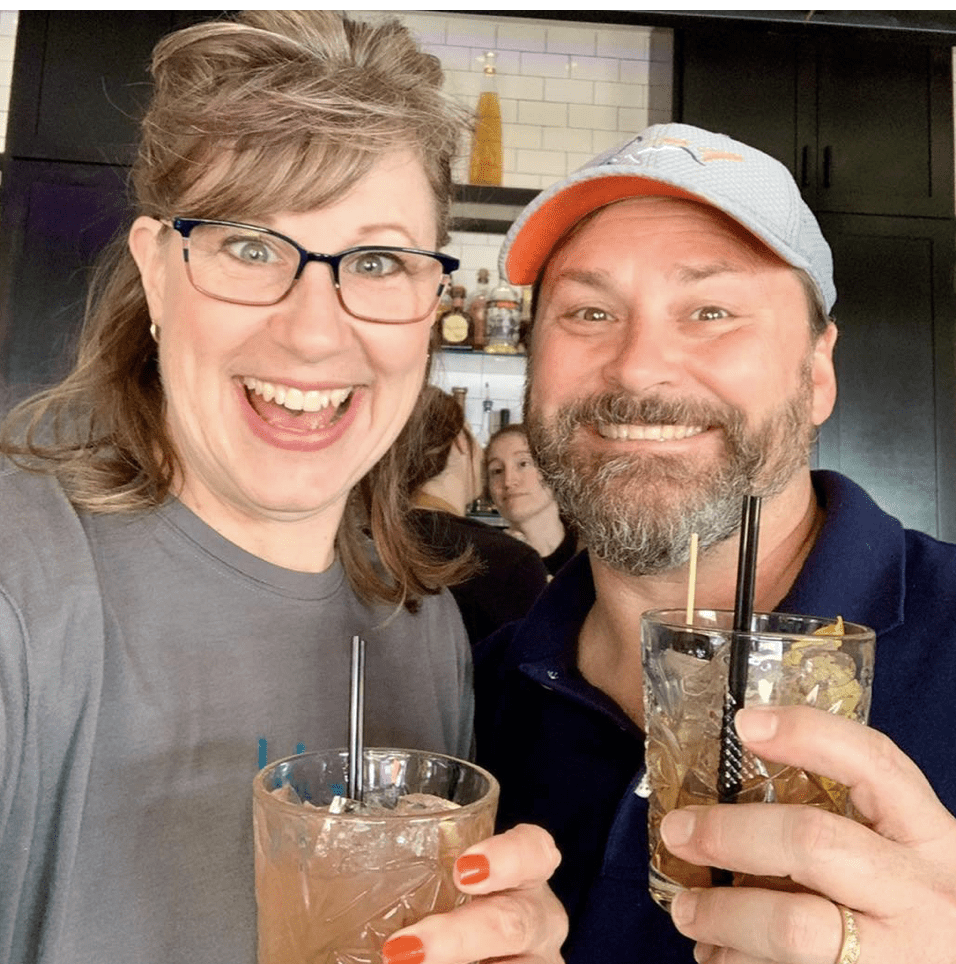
(897, 875)
(513, 915)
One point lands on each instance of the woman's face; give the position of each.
(514, 482)
(244, 457)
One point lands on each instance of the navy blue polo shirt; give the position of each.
(568, 758)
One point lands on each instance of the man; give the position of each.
(681, 358)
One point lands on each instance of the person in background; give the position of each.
(184, 557)
(445, 477)
(522, 498)
(681, 357)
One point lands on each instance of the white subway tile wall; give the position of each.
(498, 377)
(567, 91)
(8, 33)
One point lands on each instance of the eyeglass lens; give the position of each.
(255, 267)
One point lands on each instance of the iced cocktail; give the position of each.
(792, 660)
(334, 881)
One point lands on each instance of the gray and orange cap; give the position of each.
(677, 160)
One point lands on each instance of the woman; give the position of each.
(444, 479)
(522, 498)
(183, 554)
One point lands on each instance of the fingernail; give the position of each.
(472, 868)
(406, 949)
(756, 723)
(677, 826)
(704, 952)
(684, 908)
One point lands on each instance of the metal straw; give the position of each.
(356, 782)
(730, 767)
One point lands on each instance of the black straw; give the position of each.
(729, 777)
(356, 781)
(730, 767)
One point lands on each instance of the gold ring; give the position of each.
(850, 949)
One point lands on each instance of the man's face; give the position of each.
(672, 371)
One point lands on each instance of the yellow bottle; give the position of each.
(486, 145)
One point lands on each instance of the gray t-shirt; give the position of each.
(147, 668)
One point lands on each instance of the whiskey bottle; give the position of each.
(457, 328)
(476, 308)
(502, 319)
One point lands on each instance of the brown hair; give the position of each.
(512, 428)
(273, 110)
(435, 424)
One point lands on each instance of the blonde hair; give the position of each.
(271, 111)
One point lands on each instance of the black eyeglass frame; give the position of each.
(185, 227)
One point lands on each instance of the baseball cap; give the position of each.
(677, 160)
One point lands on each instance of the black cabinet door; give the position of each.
(81, 80)
(865, 128)
(884, 141)
(894, 427)
(57, 217)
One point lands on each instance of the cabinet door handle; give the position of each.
(827, 160)
(804, 166)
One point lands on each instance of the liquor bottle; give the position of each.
(444, 303)
(457, 328)
(476, 308)
(502, 320)
(484, 432)
(486, 163)
(460, 394)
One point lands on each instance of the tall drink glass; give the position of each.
(792, 660)
(332, 887)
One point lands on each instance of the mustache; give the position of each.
(620, 408)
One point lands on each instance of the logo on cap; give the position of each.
(660, 144)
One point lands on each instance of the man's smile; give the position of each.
(654, 433)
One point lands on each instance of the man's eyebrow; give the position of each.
(583, 276)
(689, 273)
(685, 274)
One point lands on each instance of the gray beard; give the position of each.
(636, 513)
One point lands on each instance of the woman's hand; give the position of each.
(513, 915)
(897, 876)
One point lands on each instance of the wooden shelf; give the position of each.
(490, 210)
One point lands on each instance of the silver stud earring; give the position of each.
(154, 331)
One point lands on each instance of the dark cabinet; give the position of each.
(80, 83)
(884, 129)
(894, 426)
(57, 218)
(864, 127)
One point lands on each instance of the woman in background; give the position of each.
(524, 501)
(445, 478)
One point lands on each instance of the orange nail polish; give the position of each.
(406, 949)
(472, 868)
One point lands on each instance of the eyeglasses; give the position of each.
(248, 265)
